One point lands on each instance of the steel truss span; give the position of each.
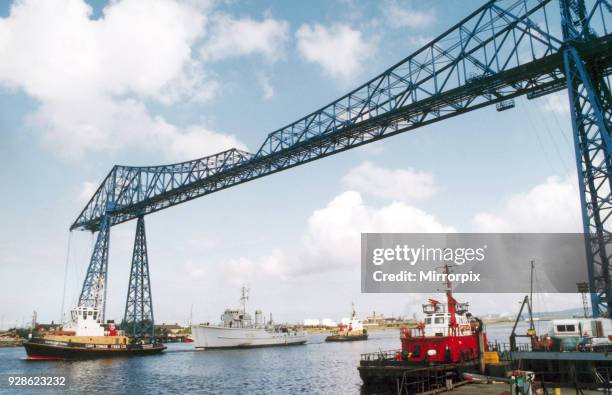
(504, 49)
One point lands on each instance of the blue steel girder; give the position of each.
(138, 320)
(125, 185)
(502, 50)
(591, 113)
(143, 190)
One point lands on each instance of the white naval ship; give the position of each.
(239, 330)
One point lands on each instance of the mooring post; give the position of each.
(481, 352)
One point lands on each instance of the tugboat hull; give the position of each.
(40, 349)
(386, 376)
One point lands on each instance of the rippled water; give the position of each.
(316, 367)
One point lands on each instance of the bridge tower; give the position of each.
(138, 319)
(93, 293)
(591, 114)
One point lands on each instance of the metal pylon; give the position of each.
(591, 113)
(93, 293)
(138, 320)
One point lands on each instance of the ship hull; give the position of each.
(211, 337)
(345, 338)
(384, 376)
(39, 349)
(442, 349)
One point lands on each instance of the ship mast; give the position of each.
(451, 302)
(244, 298)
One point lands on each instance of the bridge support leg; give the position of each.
(138, 320)
(591, 112)
(93, 293)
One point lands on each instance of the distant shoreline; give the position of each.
(370, 328)
(375, 328)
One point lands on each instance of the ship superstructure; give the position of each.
(448, 334)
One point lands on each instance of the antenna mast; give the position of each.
(244, 298)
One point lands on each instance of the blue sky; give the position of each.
(86, 85)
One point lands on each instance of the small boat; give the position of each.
(239, 330)
(351, 331)
(346, 338)
(85, 337)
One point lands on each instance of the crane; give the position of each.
(502, 50)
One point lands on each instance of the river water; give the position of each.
(316, 367)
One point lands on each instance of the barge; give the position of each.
(575, 352)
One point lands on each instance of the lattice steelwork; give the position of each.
(93, 293)
(504, 49)
(138, 320)
(591, 106)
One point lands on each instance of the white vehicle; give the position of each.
(239, 330)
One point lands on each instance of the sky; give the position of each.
(85, 85)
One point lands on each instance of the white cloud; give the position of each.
(327, 259)
(237, 37)
(266, 86)
(91, 77)
(398, 16)
(338, 49)
(88, 188)
(195, 271)
(57, 52)
(243, 270)
(556, 103)
(334, 232)
(332, 239)
(419, 40)
(192, 84)
(553, 206)
(107, 124)
(394, 184)
(197, 141)
(373, 149)
(351, 9)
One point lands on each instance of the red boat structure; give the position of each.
(449, 334)
(448, 342)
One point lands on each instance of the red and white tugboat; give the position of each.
(449, 341)
(85, 337)
(353, 330)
